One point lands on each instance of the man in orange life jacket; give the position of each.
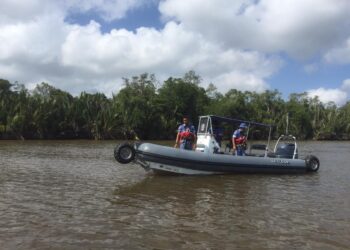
(239, 140)
(186, 136)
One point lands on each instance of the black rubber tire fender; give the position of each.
(312, 163)
(124, 153)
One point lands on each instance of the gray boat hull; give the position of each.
(170, 160)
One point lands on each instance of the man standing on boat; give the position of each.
(239, 140)
(218, 132)
(186, 135)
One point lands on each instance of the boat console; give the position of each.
(206, 141)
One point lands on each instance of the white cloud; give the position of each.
(346, 86)
(339, 55)
(29, 50)
(300, 28)
(169, 52)
(172, 50)
(243, 82)
(338, 96)
(18, 10)
(229, 43)
(311, 68)
(77, 58)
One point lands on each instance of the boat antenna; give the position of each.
(268, 142)
(248, 131)
(287, 123)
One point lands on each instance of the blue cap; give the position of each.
(243, 125)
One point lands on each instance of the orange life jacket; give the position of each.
(240, 140)
(187, 135)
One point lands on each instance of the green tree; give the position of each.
(91, 112)
(5, 101)
(150, 113)
(52, 107)
(178, 97)
(136, 109)
(299, 116)
(20, 121)
(343, 122)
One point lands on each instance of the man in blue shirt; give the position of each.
(186, 135)
(218, 133)
(239, 140)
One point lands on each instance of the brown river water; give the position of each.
(74, 195)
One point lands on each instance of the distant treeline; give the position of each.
(141, 109)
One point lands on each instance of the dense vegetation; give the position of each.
(143, 110)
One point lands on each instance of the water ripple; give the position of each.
(73, 195)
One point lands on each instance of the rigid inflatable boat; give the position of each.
(208, 157)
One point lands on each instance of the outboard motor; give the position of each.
(286, 147)
(286, 150)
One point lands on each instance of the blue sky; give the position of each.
(293, 46)
(292, 78)
(146, 16)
